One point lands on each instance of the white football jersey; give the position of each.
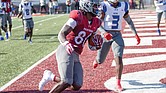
(26, 8)
(113, 16)
(2, 6)
(159, 5)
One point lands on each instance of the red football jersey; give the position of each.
(8, 6)
(82, 32)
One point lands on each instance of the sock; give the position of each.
(118, 81)
(53, 77)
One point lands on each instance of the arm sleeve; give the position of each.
(131, 24)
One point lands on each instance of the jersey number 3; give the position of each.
(115, 21)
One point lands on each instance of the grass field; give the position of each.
(16, 55)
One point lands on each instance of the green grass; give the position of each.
(16, 55)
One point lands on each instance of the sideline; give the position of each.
(34, 65)
(26, 71)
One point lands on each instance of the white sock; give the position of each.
(52, 77)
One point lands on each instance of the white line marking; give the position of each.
(40, 21)
(144, 59)
(26, 71)
(142, 82)
(133, 41)
(147, 50)
(144, 34)
(144, 29)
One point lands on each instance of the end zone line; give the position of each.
(26, 71)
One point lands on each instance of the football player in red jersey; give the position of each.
(73, 35)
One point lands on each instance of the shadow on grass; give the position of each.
(66, 91)
(3, 53)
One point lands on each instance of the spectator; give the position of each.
(1, 14)
(132, 4)
(76, 5)
(141, 3)
(68, 6)
(50, 6)
(55, 6)
(43, 6)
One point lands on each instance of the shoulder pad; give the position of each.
(76, 15)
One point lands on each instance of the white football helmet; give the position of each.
(88, 6)
(113, 1)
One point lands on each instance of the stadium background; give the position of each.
(62, 6)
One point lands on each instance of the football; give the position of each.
(95, 42)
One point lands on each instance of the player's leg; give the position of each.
(164, 17)
(65, 69)
(31, 25)
(25, 25)
(4, 25)
(78, 75)
(10, 24)
(102, 53)
(1, 37)
(159, 15)
(117, 48)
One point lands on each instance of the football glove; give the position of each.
(138, 39)
(107, 36)
(69, 47)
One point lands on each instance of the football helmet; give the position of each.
(113, 1)
(88, 6)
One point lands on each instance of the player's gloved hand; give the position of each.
(69, 47)
(164, 3)
(108, 36)
(138, 39)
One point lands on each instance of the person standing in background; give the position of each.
(55, 6)
(43, 6)
(160, 10)
(4, 19)
(1, 14)
(76, 4)
(8, 15)
(68, 6)
(50, 6)
(141, 3)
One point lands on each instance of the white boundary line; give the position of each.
(26, 71)
(30, 68)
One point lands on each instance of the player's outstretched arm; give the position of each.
(132, 27)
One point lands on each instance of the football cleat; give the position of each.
(30, 41)
(1, 38)
(45, 79)
(159, 32)
(118, 88)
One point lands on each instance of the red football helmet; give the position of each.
(95, 42)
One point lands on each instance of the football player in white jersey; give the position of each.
(25, 12)
(112, 13)
(160, 9)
